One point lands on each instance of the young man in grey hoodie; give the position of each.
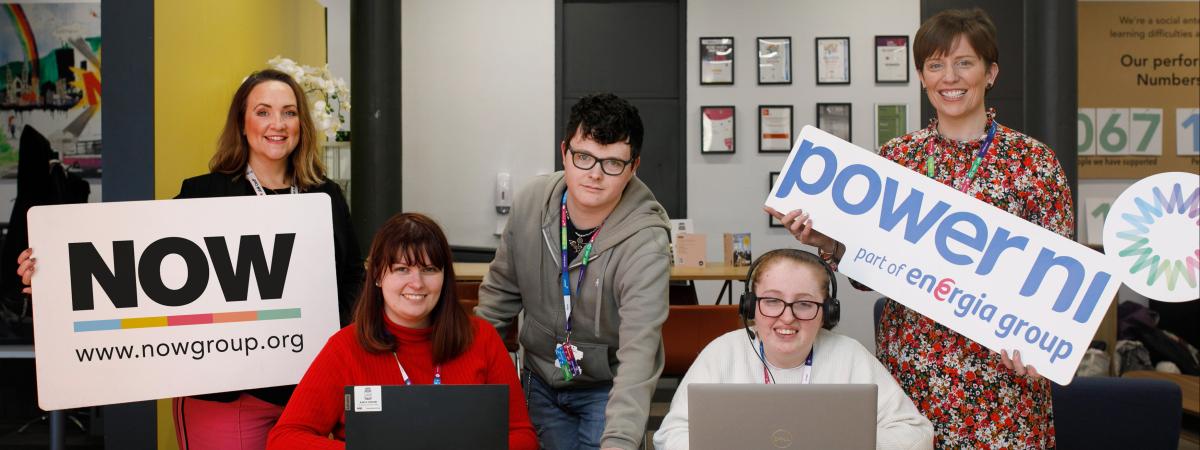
(591, 334)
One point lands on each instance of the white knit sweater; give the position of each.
(732, 358)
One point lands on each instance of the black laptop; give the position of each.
(473, 416)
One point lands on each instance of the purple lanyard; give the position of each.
(983, 148)
(566, 271)
(566, 355)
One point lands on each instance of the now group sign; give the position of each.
(171, 298)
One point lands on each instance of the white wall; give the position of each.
(337, 39)
(726, 192)
(478, 99)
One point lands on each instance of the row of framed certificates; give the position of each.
(718, 125)
(832, 60)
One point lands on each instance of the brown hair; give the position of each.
(233, 152)
(938, 34)
(417, 239)
(771, 258)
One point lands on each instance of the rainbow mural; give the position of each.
(25, 35)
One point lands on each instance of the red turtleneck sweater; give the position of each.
(316, 408)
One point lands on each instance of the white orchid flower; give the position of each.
(330, 97)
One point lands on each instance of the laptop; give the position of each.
(429, 417)
(782, 416)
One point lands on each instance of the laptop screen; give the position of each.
(825, 416)
(427, 417)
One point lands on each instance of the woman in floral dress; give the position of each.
(975, 398)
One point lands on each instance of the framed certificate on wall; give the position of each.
(891, 121)
(833, 60)
(774, 128)
(774, 60)
(716, 60)
(717, 130)
(834, 118)
(891, 59)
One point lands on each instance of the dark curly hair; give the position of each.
(606, 119)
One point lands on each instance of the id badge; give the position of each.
(566, 358)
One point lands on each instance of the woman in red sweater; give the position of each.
(408, 329)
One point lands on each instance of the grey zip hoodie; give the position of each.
(617, 311)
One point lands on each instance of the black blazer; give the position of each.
(348, 260)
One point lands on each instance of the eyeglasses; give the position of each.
(802, 310)
(586, 161)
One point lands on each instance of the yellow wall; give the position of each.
(202, 51)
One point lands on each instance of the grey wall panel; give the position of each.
(634, 49)
(128, 127)
(375, 48)
(127, 28)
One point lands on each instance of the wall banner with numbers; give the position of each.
(1139, 89)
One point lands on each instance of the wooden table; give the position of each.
(1188, 384)
(474, 272)
(470, 272)
(712, 271)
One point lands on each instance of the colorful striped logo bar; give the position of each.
(185, 319)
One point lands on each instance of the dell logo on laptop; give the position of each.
(781, 438)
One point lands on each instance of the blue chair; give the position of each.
(1117, 413)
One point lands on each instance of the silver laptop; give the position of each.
(782, 416)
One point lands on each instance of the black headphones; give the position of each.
(831, 309)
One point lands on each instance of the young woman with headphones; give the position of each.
(792, 303)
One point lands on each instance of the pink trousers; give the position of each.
(238, 425)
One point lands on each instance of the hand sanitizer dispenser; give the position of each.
(503, 193)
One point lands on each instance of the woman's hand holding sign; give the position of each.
(1015, 364)
(25, 265)
(800, 225)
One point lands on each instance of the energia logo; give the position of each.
(1154, 229)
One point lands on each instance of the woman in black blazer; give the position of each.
(268, 146)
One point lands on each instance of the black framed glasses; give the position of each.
(801, 310)
(586, 161)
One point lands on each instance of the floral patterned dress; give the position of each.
(961, 386)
